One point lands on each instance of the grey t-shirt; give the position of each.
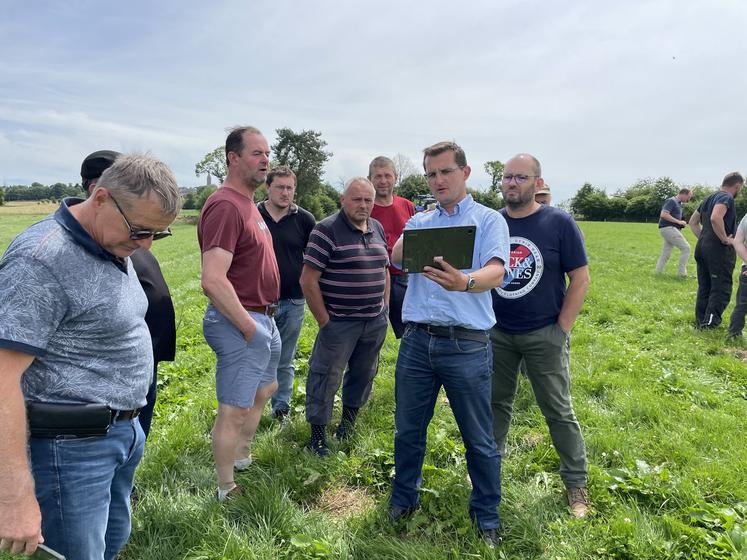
(80, 312)
(743, 227)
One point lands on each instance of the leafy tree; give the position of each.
(495, 170)
(491, 199)
(404, 167)
(411, 186)
(2, 196)
(591, 203)
(214, 163)
(202, 194)
(304, 153)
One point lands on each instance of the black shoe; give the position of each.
(397, 513)
(281, 415)
(344, 431)
(491, 538)
(318, 448)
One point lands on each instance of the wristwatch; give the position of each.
(470, 283)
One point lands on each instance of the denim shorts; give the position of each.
(241, 367)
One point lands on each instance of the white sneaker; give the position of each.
(224, 495)
(242, 464)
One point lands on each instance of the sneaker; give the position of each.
(318, 448)
(491, 537)
(242, 464)
(578, 499)
(225, 495)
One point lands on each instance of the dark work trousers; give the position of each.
(396, 298)
(146, 414)
(715, 267)
(340, 343)
(736, 324)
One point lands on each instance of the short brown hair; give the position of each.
(446, 146)
(280, 171)
(733, 179)
(684, 191)
(381, 161)
(235, 139)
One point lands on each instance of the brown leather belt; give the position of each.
(269, 310)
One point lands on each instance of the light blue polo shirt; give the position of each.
(426, 301)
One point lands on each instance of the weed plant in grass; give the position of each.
(663, 408)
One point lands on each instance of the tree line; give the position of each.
(37, 191)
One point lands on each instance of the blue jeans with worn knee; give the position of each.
(83, 486)
(289, 320)
(464, 368)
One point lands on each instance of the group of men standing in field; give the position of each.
(720, 240)
(466, 330)
(455, 331)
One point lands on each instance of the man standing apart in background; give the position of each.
(160, 315)
(346, 284)
(392, 212)
(447, 314)
(75, 347)
(240, 278)
(714, 224)
(290, 226)
(534, 314)
(670, 224)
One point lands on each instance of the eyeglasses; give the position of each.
(140, 234)
(520, 179)
(445, 172)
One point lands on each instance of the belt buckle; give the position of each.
(272, 309)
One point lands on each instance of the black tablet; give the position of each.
(455, 244)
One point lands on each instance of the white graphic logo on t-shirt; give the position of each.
(526, 266)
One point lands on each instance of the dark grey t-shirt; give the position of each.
(80, 312)
(674, 207)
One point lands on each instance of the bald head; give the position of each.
(536, 167)
(358, 182)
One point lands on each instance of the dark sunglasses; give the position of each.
(140, 234)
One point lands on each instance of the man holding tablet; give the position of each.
(447, 314)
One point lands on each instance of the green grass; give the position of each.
(663, 408)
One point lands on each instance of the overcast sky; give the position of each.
(605, 92)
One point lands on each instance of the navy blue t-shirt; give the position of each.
(706, 208)
(674, 207)
(544, 247)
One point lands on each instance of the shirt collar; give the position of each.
(346, 220)
(293, 209)
(461, 206)
(65, 218)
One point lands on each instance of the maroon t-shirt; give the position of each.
(393, 218)
(231, 221)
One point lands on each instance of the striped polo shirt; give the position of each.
(353, 264)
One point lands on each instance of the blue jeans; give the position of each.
(83, 487)
(289, 319)
(464, 368)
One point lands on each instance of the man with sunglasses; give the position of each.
(535, 312)
(160, 316)
(75, 347)
(447, 315)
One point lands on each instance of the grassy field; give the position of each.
(663, 408)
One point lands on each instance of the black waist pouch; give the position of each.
(50, 420)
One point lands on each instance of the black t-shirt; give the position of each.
(706, 209)
(674, 207)
(289, 238)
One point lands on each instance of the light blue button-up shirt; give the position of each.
(426, 301)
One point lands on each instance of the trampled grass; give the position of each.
(663, 408)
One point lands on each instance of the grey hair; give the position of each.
(354, 180)
(135, 176)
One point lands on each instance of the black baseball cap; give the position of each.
(96, 163)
